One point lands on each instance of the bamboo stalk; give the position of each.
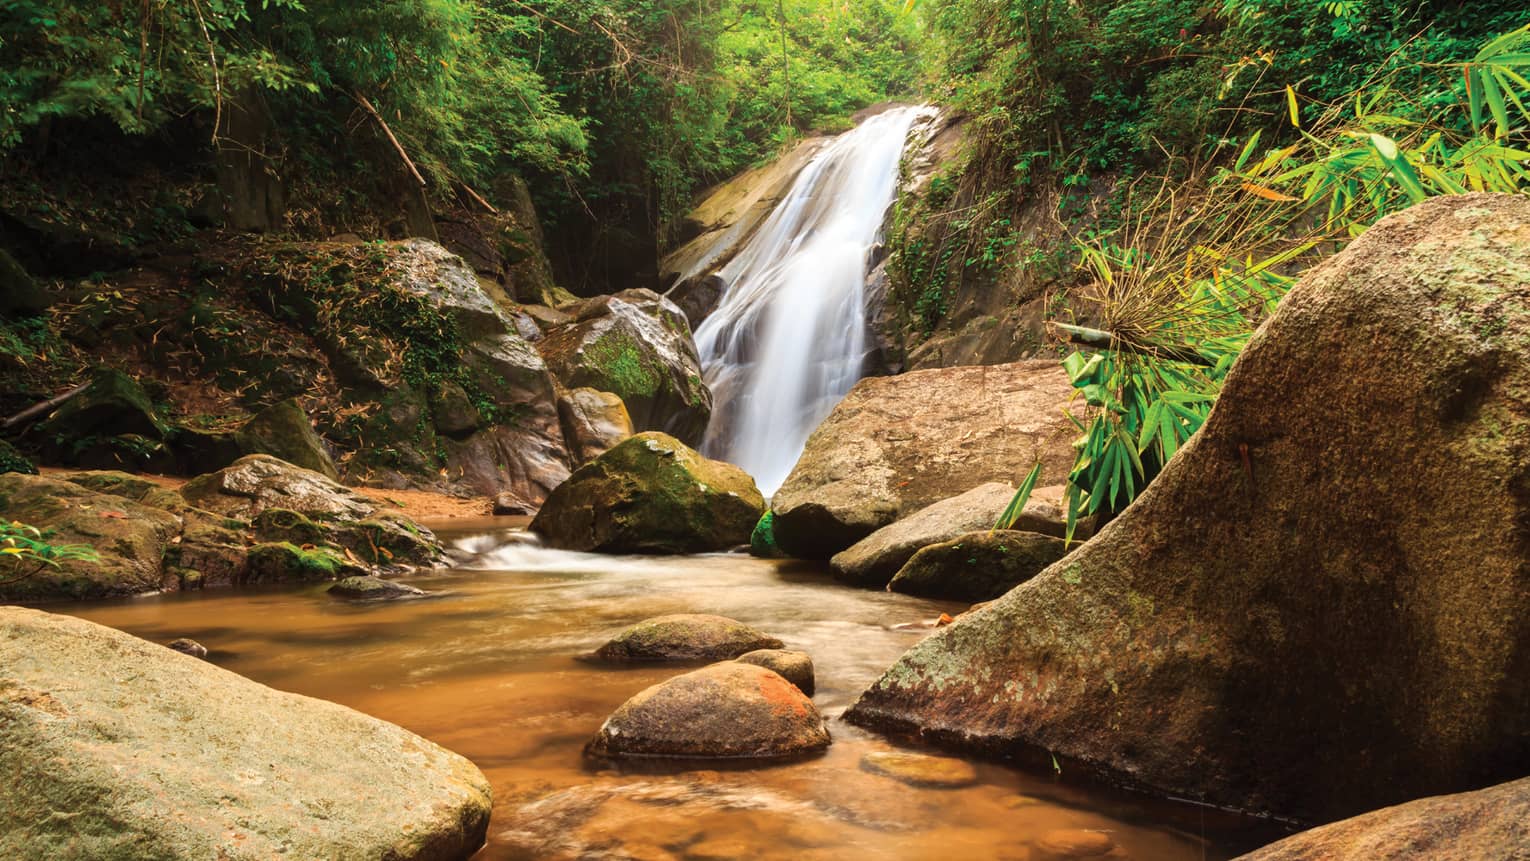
(1099, 339)
(408, 163)
(36, 410)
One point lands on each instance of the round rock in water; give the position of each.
(188, 647)
(374, 589)
(795, 667)
(685, 637)
(917, 769)
(724, 711)
(1065, 843)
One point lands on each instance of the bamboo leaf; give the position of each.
(1016, 507)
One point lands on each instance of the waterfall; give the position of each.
(789, 336)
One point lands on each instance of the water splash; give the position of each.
(789, 336)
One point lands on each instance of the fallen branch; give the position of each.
(1099, 339)
(43, 408)
(408, 163)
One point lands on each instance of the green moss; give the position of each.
(283, 561)
(12, 460)
(621, 362)
(762, 541)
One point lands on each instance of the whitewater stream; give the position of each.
(492, 672)
(789, 336)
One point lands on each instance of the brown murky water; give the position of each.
(490, 672)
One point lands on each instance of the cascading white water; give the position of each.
(788, 338)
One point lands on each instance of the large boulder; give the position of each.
(897, 444)
(873, 560)
(685, 637)
(20, 294)
(1322, 605)
(978, 566)
(724, 711)
(651, 494)
(111, 422)
(439, 386)
(1488, 823)
(284, 431)
(118, 748)
(637, 345)
(130, 540)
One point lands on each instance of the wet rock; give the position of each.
(1488, 823)
(685, 637)
(188, 647)
(129, 539)
(114, 483)
(257, 482)
(239, 770)
(637, 345)
(593, 422)
(374, 589)
(726, 711)
(283, 562)
(509, 505)
(283, 431)
(651, 494)
(873, 560)
(1063, 844)
(885, 453)
(917, 769)
(978, 566)
(1269, 614)
(795, 667)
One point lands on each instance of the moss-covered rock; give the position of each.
(762, 540)
(637, 345)
(20, 294)
(651, 494)
(1322, 605)
(873, 560)
(12, 460)
(284, 431)
(129, 538)
(374, 589)
(284, 562)
(111, 421)
(116, 748)
(978, 566)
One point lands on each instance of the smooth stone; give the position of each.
(188, 647)
(685, 637)
(1065, 843)
(374, 589)
(724, 711)
(917, 769)
(795, 667)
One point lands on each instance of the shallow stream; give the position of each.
(492, 671)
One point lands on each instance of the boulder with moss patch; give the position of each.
(651, 494)
(284, 431)
(1322, 605)
(978, 566)
(637, 345)
(12, 460)
(111, 422)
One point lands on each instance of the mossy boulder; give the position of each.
(651, 494)
(1322, 605)
(12, 460)
(684, 637)
(978, 566)
(114, 747)
(725, 711)
(637, 345)
(284, 562)
(762, 540)
(112, 421)
(284, 431)
(20, 294)
(129, 538)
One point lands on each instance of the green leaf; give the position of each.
(1016, 507)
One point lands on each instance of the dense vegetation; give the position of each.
(614, 112)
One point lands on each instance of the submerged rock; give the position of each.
(885, 452)
(1065, 844)
(1488, 823)
(873, 560)
(917, 769)
(978, 566)
(795, 667)
(724, 711)
(370, 588)
(651, 494)
(1312, 611)
(238, 770)
(284, 431)
(637, 345)
(685, 637)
